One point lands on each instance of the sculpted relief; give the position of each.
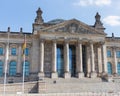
(72, 28)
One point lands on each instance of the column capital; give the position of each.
(90, 42)
(42, 40)
(79, 41)
(102, 42)
(114, 47)
(54, 40)
(66, 41)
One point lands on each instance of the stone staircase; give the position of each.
(75, 85)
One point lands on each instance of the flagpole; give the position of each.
(24, 46)
(6, 61)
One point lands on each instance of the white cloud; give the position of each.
(112, 20)
(92, 2)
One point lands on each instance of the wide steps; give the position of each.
(80, 85)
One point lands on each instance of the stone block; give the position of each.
(54, 75)
(93, 75)
(80, 75)
(67, 75)
(40, 76)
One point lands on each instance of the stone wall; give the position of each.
(29, 87)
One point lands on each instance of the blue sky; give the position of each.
(21, 13)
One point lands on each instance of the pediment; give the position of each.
(72, 26)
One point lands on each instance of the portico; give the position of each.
(74, 58)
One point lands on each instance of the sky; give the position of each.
(21, 13)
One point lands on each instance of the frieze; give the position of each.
(72, 28)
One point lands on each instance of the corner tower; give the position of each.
(38, 22)
(98, 24)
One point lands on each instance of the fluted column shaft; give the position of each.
(104, 58)
(80, 65)
(41, 56)
(92, 58)
(99, 59)
(66, 59)
(79, 60)
(54, 63)
(66, 56)
(54, 57)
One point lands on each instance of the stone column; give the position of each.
(115, 61)
(66, 59)
(54, 72)
(41, 70)
(88, 61)
(104, 57)
(19, 65)
(93, 73)
(79, 60)
(99, 60)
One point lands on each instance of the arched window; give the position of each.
(26, 67)
(1, 68)
(12, 68)
(109, 67)
(118, 68)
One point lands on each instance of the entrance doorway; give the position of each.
(72, 60)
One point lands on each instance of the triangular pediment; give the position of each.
(72, 26)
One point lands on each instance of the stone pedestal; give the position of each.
(40, 76)
(93, 75)
(67, 75)
(88, 75)
(104, 74)
(54, 75)
(80, 75)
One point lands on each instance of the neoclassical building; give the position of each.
(60, 49)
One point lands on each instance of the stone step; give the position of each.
(82, 87)
(73, 80)
(72, 85)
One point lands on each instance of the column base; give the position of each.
(67, 75)
(54, 75)
(40, 76)
(93, 75)
(99, 74)
(80, 75)
(104, 74)
(88, 75)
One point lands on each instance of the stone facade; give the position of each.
(86, 45)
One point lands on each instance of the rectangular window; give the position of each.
(108, 53)
(118, 54)
(13, 51)
(1, 51)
